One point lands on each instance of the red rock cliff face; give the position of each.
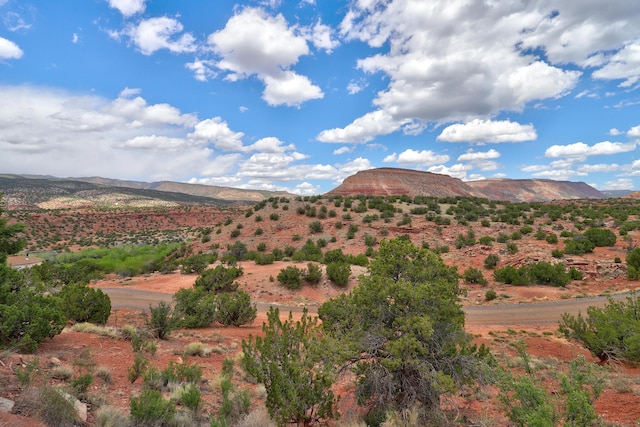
(389, 181)
(397, 182)
(534, 190)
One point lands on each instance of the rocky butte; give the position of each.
(392, 181)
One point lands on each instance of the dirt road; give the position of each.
(532, 314)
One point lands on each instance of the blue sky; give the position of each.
(298, 95)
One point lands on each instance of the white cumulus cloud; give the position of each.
(153, 34)
(495, 131)
(269, 56)
(9, 50)
(128, 7)
(580, 150)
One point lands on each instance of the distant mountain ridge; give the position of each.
(201, 190)
(392, 181)
(46, 192)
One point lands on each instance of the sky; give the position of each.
(297, 95)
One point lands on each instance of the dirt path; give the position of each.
(531, 314)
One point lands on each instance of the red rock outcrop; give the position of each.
(391, 181)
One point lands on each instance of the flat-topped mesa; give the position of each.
(398, 182)
(534, 190)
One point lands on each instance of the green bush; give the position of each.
(197, 263)
(194, 308)
(578, 246)
(544, 273)
(235, 309)
(219, 279)
(265, 259)
(633, 264)
(600, 236)
(161, 320)
(339, 272)
(510, 275)
(315, 227)
(81, 303)
(28, 317)
(313, 274)
(490, 295)
(151, 409)
(491, 261)
(334, 255)
(609, 333)
(473, 275)
(290, 277)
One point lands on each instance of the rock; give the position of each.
(6, 405)
(54, 361)
(81, 408)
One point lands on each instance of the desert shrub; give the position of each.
(633, 264)
(277, 254)
(151, 409)
(109, 416)
(54, 408)
(360, 259)
(526, 229)
(557, 253)
(238, 251)
(578, 246)
(160, 320)
(81, 303)
(339, 272)
(219, 279)
(197, 263)
(502, 238)
(552, 238)
(274, 216)
(491, 261)
(81, 384)
(235, 233)
(194, 308)
(235, 309)
(600, 236)
(512, 248)
(544, 273)
(265, 259)
(334, 255)
(189, 396)
(527, 402)
(575, 274)
(370, 241)
(540, 234)
(142, 342)
(28, 316)
(259, 231)
(315, 227)
(510, 275)
(261, 247)
(486, 240)
(235, 403)
(308, 252)
(290, 360)
(611, 332)
(289, 251)
(490, 295)
(290, 277)
(474, 275)
(313, 274)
